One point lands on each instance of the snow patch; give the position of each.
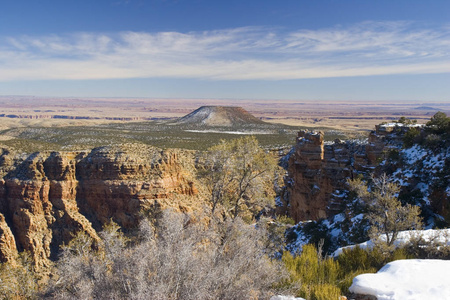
(387, 125)
(406, 279)
(430, 235)
(357, 218)
(279, 297)
(229, 132)
(339, 218)
(414, 154)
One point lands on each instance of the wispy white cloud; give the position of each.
(236, 54)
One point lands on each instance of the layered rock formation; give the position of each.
(45, 198)
(317, 172)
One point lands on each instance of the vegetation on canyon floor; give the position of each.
(155, 133)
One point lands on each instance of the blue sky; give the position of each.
(256, 49)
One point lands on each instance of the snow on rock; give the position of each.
(414, 154)
(441, 236)
(406, 280)
(340, 230)
(387, 125)
(421, 172)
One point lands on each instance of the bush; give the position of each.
(411, 137)
(314, 277)
(180, 259)
(433, 141)
(18, 280)
(356, 258)
(439, 123)
(325, 292)
(431, 248)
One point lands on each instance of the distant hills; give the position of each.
(223, 116)
(426, 108)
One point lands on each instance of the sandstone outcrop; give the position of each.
(46, 198)
(317, 171)
(7, 242)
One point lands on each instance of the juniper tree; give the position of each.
(240, 175)
(439, 123)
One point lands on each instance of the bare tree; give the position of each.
(385, 212)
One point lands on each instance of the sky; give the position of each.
(248, 49)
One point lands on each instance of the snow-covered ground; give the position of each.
(421, 172)
(441, 236)
(285, 298)
(401, 125)
(230, 132)
(422, 167)
(406, 280)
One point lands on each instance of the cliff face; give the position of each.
(317, 172)
(47, 197)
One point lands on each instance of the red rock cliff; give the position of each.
(316, 173)
(47, 197)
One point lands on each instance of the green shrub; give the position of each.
(285, 220)
(325, 278)
(411, 137)
(325, 291)
(399, 253)
(347, 278)
(357, 258)
(354, 259)
(18, 280)
(317, 276)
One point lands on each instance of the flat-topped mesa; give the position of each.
(227, 116)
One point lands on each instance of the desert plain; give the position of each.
(346, 115)
(25, 121)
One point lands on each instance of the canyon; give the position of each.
(318, 171)
(46, 198)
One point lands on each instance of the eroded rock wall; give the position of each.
(45, 198)
(317, 172)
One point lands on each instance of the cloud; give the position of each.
(370, 48)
